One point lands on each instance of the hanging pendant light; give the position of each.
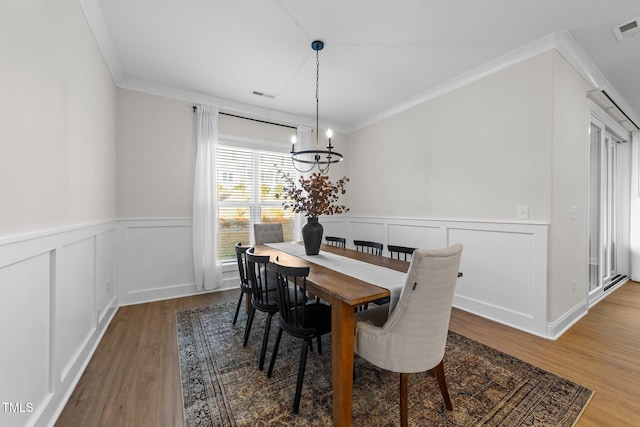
(305, 160)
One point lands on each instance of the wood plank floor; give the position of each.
(133, 378)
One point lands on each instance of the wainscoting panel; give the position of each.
(105, 272)
(504, 264)
(50, 316)
(415, 236)
(333, 226)
(366, 230)
(156, 259)
(25, 359)
(75, 301)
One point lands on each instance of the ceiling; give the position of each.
(378, 54)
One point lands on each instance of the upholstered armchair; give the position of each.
(412, 338)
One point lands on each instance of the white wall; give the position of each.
(569, 177)
(57, 167)
(515, 138)
(475, 153)
(156, 156)
(57, 205)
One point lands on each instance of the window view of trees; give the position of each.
(247, 183)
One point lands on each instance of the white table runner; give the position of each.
(376, 275)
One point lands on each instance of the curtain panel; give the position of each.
(206, 264)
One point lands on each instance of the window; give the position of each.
(247, 184)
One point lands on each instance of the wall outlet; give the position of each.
(523, 212)
(108, 286)
(573, 286)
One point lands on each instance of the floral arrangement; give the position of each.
(313, 196)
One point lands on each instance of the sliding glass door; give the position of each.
(606, 197)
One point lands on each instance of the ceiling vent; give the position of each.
(628, 30)
(263, 94)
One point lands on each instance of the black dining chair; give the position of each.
(400, 251)
(340, 242)
(245, 286)
(300, 320)
(263, 296)
(368, 247)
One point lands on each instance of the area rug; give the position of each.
(222, 386)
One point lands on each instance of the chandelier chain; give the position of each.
(317, 93)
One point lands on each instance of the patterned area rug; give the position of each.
(222, 386)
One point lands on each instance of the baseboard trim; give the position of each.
(556, 329)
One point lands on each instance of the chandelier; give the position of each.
(305, 160)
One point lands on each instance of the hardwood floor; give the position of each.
(133, 378)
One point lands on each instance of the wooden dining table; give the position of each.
(344, 293)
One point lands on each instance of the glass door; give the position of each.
(603, 207)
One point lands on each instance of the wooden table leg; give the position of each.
(342, 322)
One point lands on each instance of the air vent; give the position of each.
(628, 30)
(263, 94)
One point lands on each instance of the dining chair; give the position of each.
(268, 233)
(396, 251)
(368, 247)
(245, 286)
(263, 296)
(300, 320)
(412, 338)
(340, 242)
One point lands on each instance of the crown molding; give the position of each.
(562, 41)
(95, 19)
(221, 103)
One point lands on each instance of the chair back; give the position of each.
(340, 242)
(262, 280)
(368, 247)
(401, 251)
(292, 289)
(414, 337)
(241, 252)
(268, 233)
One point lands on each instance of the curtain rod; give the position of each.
(252, 119)
(604, 92)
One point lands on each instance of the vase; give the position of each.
(312, 236)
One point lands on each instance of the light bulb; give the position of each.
(329, 133)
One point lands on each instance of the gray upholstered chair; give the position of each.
(412, 338)
(268, 233)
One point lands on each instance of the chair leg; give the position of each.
(238, 308)
(301, 368)
(265, 340)
(438, 371)
(319, 344)
(275, 352)
(403, 400)
(247, 328)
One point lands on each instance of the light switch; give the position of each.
(573, 212)
(523, 212)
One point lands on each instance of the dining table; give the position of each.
(345, 293)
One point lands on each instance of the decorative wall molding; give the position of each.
(155, 261)
(504, 264)
(58, 299)
(72, 280)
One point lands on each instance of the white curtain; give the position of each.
(206, 264)
(304, 143)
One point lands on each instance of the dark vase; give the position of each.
(312, 236)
